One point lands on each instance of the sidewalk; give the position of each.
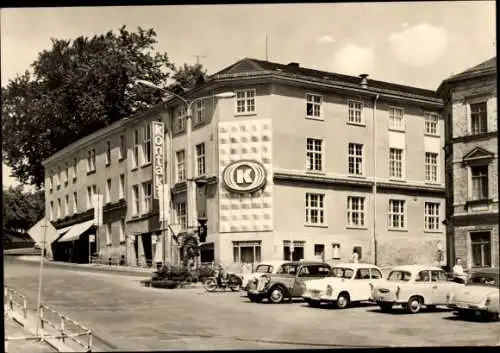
(13, 329)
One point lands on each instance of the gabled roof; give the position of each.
(250, 65)
(478, 153)
(487, 67)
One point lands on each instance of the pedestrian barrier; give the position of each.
(17, 304)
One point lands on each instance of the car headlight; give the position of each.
(329, 290)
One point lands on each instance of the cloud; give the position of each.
(354, 60)
(325, 39)
(418, 45)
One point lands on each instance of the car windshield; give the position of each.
(399, 276)
(264, 269)
(484, 279)
(342, 272)
(290, 269)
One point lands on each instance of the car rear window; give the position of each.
(342, 272)
(403, 276)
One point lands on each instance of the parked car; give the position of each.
(413, 286)
(287, 282)
(348, 283)
(269, 267)
(479, 296)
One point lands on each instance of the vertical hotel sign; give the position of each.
(158, 158)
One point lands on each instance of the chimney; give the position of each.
(364, 80)
(293, 64)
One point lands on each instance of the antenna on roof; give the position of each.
(198, 58)
(266, 49)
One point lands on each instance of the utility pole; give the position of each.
(198, 58)
(266, 49)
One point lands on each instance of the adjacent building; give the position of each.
(299, 164)
(471, 153)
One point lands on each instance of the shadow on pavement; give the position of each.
(401, 311)
(332, 306)
(468, 318)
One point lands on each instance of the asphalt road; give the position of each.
(131, 317)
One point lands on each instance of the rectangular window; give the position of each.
(245, 101)
(479, 176)
(296, 254)
(181, 162)
(108, 153)
(122, 150)
(108, 191)
(60, 211)
(314, 154)
(65, 174)
(137, 146)
(122, 230)
(355, 112)
(89, 197)
(75, 169)
(52, 211)
(431, 123)
(56, 180)
(91, 161)
(313, 105)
(147, 194)
(135, 200)
(431, 166)
(146, 144)
(108, 234)
(66, 205)
(121, 187)
(431, 216)
(75, 202)
(481, 249)
(478, 118)
(396, 118)
(247, 252)
(355, 158)
(199, 112)
(396, 163)
(397, 214)
(180, 121)
(315, 209)
(200, 159)
(355, 211)
(48, 183)
(181, 214)
(336, 251)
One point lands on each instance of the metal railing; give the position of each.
(16, 302)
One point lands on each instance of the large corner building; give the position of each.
(299, 164)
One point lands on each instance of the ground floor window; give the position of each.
(295, 254)
(246, 251)
(207, 253)
(319, 251)
(481, 249)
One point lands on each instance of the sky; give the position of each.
(412, 43)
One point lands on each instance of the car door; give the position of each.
(360, 285)
(375, 277)
(423, 286)
(440, 287)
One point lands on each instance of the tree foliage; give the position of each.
(21, 210)
(78, 87)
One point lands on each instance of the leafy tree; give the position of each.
(186, 77)
(76, 88)
(22, 210)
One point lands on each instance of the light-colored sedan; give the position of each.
(348, 283)
(266, 267)
(479, 296)
(413, 286)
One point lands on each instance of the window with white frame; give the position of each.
(147, 197)
(181, 214)
(65, 174)
(121, 187)
(75, 169)
(48, 183)
(136, 151)
(313, 105)
(180, 159)
(75, 202)
(56, 180)
(245, 101)
(314, 155)
(91, 161)
(478, 118)
(146, 144)
(431, 166)
(396, 163)
(480, 246)
(246, 251)
(66, 205)
(108, 153)
(60, 210)
(108, 191)
(122, 230)
(108, 234)
(479, 181)
(431, 123)
(355, 211)
(180, 120)
(135, 200)
(122, 150)
(199, 112)
(200, 159)
(431, 216)
(355, 112)
(355, 158)
(315, 209)
(397, 214)
(396, 118)
(52, 211)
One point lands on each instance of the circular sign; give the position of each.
(244, 176)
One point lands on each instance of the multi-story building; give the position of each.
(471, 135)
(299, 164)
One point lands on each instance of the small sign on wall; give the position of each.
(92, 238)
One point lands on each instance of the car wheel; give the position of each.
(343, 300)
(414, 305)
(276, 295)
(385, 307)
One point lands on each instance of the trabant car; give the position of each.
(348, 283)
(287, 283)
(413, 286)
(480, 295)
(265, 267)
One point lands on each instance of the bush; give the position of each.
(204, 272)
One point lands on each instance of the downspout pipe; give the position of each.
(374, 196)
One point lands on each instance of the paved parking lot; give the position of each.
(131, 317)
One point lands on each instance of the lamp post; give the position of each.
(190, 181)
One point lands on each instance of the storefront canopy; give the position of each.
(64, 230)
(76, 230)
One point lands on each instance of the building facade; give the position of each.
(299, 164)
(471, 149)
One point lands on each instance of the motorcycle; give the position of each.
(232, 282)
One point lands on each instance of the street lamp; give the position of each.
(190, 184)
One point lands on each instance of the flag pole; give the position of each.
(40, 277)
